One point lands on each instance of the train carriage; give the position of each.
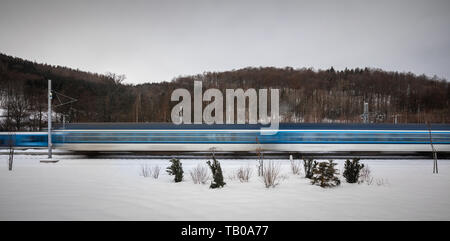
(308, 138)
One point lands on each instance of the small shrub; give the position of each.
(365, 175)
(309, 165)
(271, 174)
(199, 174)
(176, 169)
(244, 174)
(295, 167)
(148, 171)
(352, 170)
(283, 177)
(145, 170)
(382, 182)
(232, 176)
(154, 171)
(325, 175)
(216, 171)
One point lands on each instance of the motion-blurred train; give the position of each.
(292, 138)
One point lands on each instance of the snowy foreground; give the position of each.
(112, 189)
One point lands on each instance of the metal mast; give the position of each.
(49, 119)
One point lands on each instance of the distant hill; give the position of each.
(306, 95)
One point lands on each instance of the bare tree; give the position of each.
(117, 78)
(17, 108)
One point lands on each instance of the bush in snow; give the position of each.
(154, 171)
(176, 169)
(199, 174)
(352, 170)
(295, 167)
(325, 175)
(244, 173)
(232, 176)
(382, 182)
(145, 170)
(216, 171)
(365, 175)
(271, 174)
(309, 165)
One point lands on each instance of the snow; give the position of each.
(112, 189)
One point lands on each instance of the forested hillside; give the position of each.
(306, 95)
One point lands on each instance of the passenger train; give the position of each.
(291, 138)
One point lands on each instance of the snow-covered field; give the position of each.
(112, 189)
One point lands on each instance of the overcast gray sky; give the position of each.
(159, 40)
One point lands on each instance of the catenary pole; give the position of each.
(49, 119)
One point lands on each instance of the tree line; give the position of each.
(306, 95)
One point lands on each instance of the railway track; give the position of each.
(235, 155)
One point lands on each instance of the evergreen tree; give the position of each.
(217, 174)
(325, 175)
(176, 169)
(351, 170)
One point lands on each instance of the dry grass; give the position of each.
(199, 174)
(150, 171)
(244, 173)
(154, 172)
(145, 170)
(382, 182)
(296, 167)
(365, 175)
(271, 174)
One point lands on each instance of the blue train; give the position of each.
(308, 138)
(23, 139)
